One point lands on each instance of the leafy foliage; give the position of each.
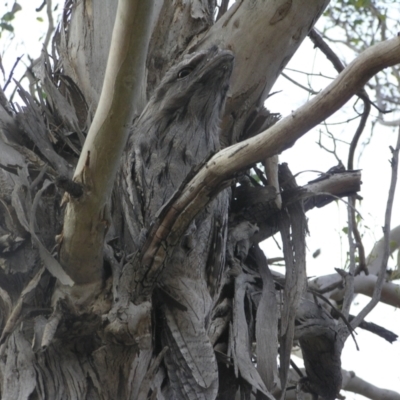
(8, 17)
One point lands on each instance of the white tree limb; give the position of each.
(374, 259)
(86, 221)
(365, 284)
(352, 383)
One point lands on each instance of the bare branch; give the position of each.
(374, 259)
(353, 383)
(217, 172)
(386, 233)
(18, 59)
(121, 99)
(377, 330)
(309, 90)
(363, 284)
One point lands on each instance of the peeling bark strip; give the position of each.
(266, 325)
(293, 227)
(241, 341)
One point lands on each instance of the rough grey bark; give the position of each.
(178, 323)
(321, 346)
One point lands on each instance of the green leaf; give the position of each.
(316, 253)
(8, 16)
(6, 27)
(40, 19)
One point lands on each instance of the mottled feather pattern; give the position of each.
(177, 131)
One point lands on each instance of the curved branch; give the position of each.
(386, 234)
(390, 294)
(352, 383)
(374, 259)
(222, 167)
(363, 284)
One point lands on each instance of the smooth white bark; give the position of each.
(122, 97)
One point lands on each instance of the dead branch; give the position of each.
(363, 284)
(386, 233)
(377, 330)
(374, 259)
(331, 55)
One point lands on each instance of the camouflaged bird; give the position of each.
(177, 131)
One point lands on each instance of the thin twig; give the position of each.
(298, 84)
(319, 143)
(334, 311)
(338, 65)
(386, 235)
(12, 72)
(359, 131)
(342, 122)
(296, 368)
(319, 42)
(309, 73)
(362, 265)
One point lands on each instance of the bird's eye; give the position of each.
(184, 72)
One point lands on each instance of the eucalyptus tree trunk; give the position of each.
(101, 295)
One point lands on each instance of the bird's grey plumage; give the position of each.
(177, 131)
(179, 127)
